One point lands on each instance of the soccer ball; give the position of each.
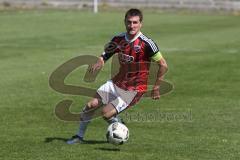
(117, 133)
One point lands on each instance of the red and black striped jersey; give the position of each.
(134, 60)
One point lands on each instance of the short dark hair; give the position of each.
(134, 12)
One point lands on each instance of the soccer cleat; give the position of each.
(75, 139)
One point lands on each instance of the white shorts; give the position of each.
(119, 98)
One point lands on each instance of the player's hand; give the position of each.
(155, 93)
(97, 66)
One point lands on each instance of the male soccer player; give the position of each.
(135, 51)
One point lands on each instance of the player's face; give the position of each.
(133, 25)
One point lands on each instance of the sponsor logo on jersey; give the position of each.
(125, 58)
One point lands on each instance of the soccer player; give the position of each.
(135, 52)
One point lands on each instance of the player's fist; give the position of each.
(97, 66)
(155, 94)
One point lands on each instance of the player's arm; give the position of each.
(156, 56)
(162, 69)
(109, 50)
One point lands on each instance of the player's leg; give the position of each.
(85, 118)
(87, 114)
(103, 95)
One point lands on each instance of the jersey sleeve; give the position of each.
(153, 51)
(151, 47)
(109, 49)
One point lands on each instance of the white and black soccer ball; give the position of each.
(117, 133)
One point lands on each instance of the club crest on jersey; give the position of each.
(137, 48)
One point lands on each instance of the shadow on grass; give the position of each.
(50, 139)
(108, 149)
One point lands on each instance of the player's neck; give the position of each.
(131, 37)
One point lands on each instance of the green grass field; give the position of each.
(203, 55)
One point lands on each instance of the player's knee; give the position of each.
(105, 114)
(106, 117)
(108, 112)
(93, 103)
